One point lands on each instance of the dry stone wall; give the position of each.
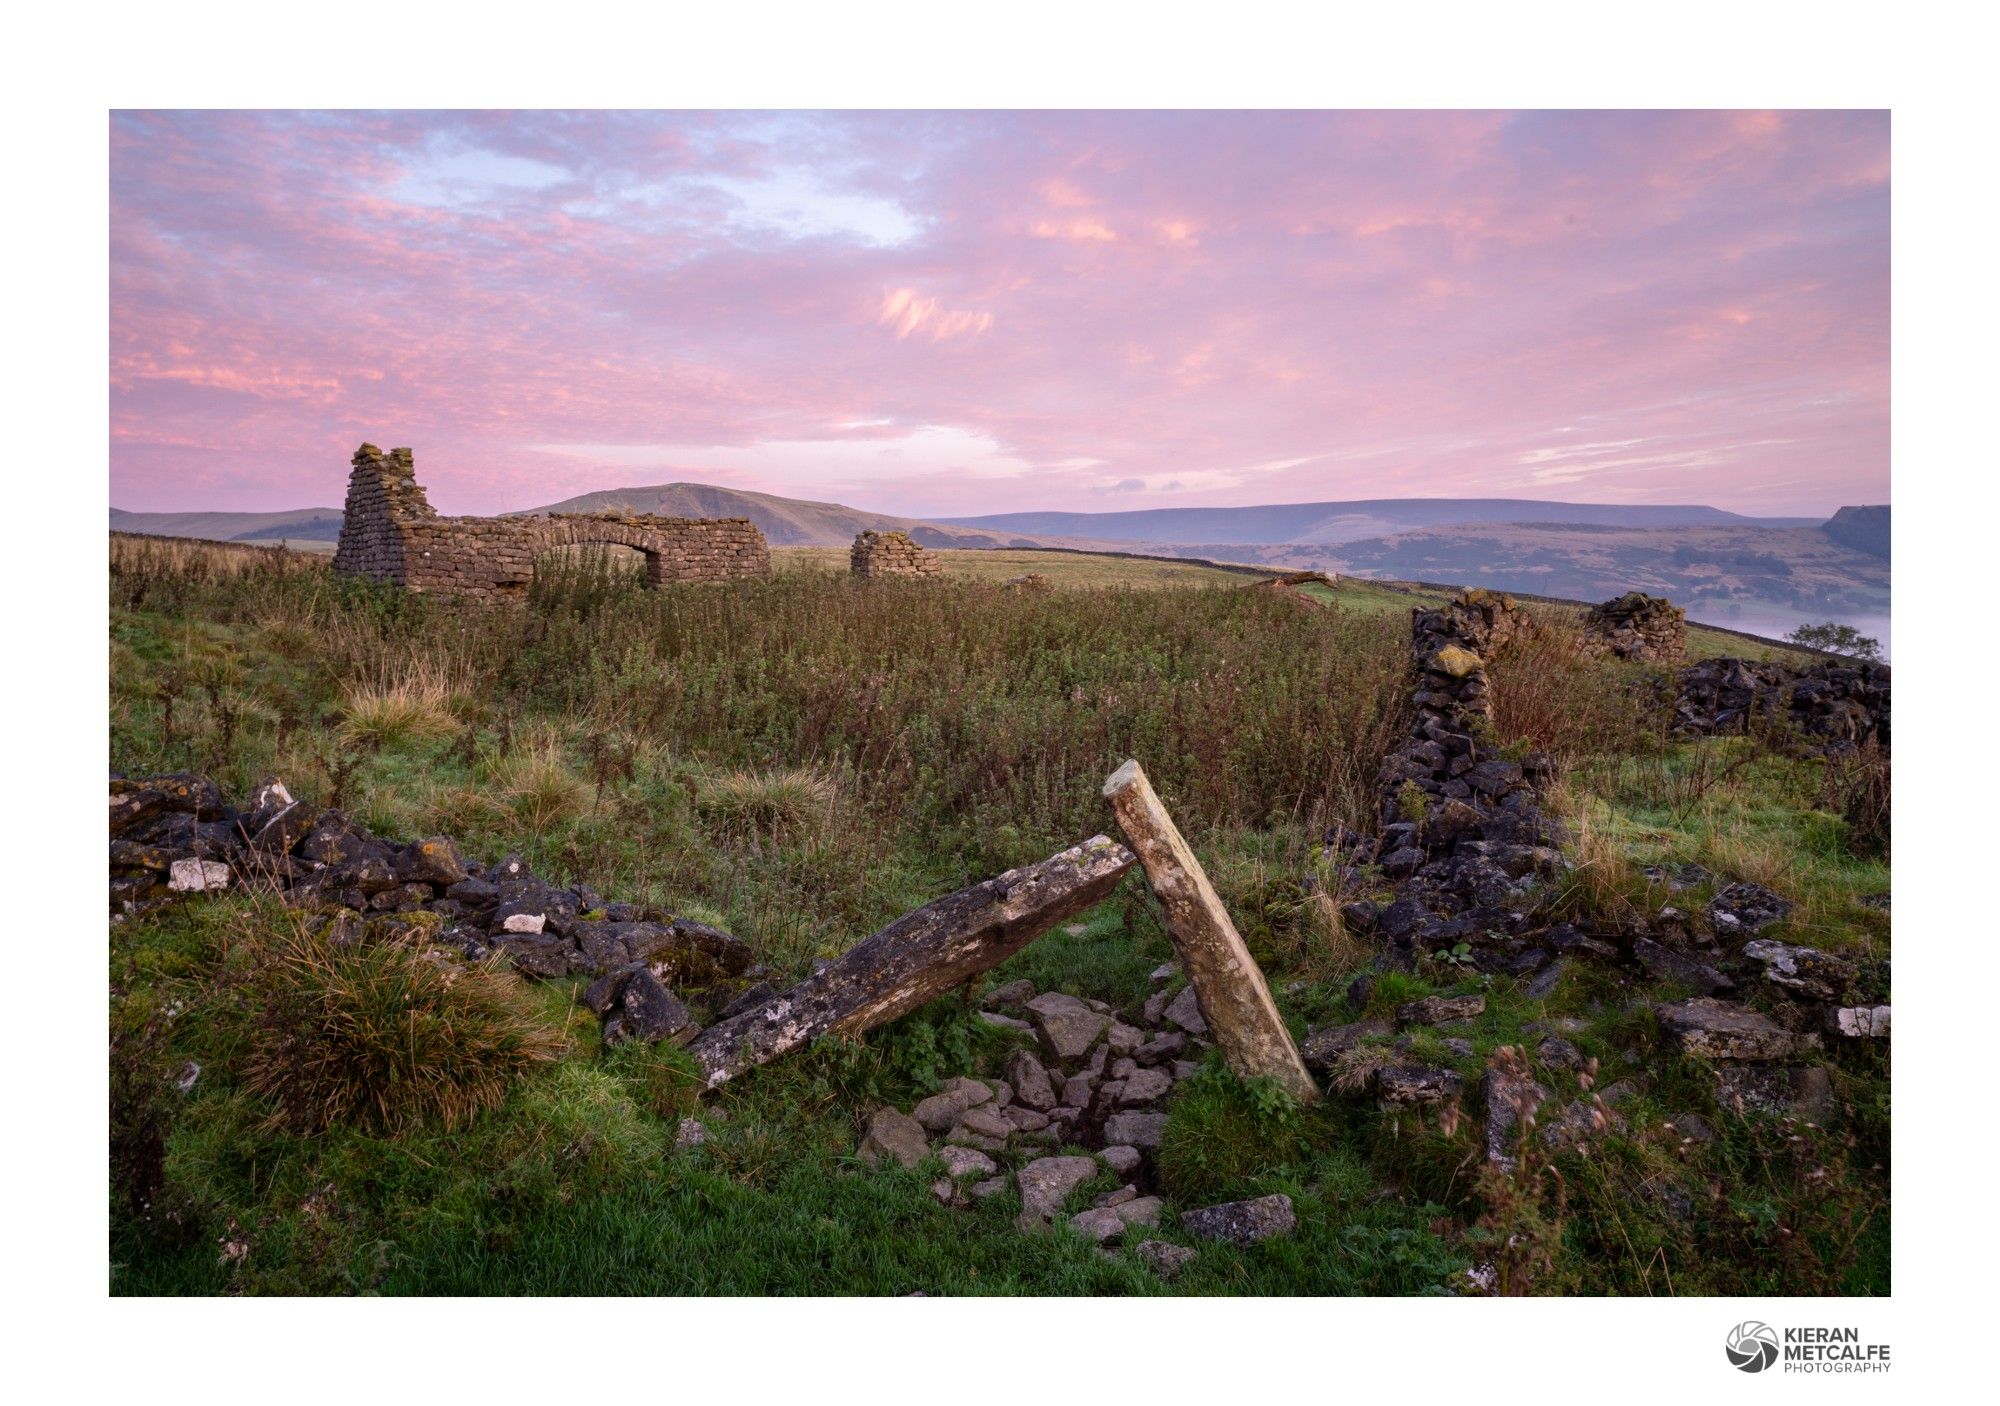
(1839, 702)
(892, 554)
(391, 533)
(1636, 626)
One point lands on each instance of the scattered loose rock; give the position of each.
(1717, 1030)
(1067, 1026)
(1242, 1222)
(1435, 1010)
(894, 1136)
(1047, 1182)
(1165, 1259)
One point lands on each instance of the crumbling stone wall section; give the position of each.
(390, 532)
(1839, 702)
(1463, 836)
(892, 554)
(383, 501)
(1636, 626)
(1448, 755)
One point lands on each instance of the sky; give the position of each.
(937, 313)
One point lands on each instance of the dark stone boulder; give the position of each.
(130, 854)
(1409, 1086)
(132, 804)
(1668, 965)
(1717, 1030)
(186, 792)
(541, 954)
(1435, 1010)
(652, 1012)
(1805, 970)
(277, 826)
(1743, 910)
(1323, 1047)
(432, 861)
(334, 839)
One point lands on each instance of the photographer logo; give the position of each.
(1752, 1346)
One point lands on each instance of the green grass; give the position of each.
(803, 760)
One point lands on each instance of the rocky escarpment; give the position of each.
(1865, 529)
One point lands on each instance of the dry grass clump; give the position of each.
(1605, 882)
(414, 702)
(537, 784)
(1353, 1069)
(1856, 788)
(137, 556)
(386, 1036)
(776, 801)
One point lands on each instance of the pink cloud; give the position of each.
(1026, 308)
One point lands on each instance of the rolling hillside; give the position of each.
(303, 524)
(789, 522)
(1351, 521)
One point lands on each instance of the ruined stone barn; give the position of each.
(391, 533)
(891, 554)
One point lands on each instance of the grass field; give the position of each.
(803, 759)
(1072, 570)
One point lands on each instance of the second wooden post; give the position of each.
(1234, 999)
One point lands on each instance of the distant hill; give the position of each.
(1864, 529)
(787, 522)
(303, 524)
(1353, 521)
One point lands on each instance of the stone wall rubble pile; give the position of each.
(1079, 1101)
(174, 833)
(1837, 702)
(891, 554)
(391, 533)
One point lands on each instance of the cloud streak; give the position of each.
(964, 312)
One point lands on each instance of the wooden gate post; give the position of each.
(1234, 999)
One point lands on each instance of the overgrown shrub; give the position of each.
(1547, 697)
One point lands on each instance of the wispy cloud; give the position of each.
(978, 311)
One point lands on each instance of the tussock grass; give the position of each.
(386, 1036)
(539, 786)
(407, 705)
(776, 802)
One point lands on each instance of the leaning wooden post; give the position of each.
(918, 957)
(1234, 999)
